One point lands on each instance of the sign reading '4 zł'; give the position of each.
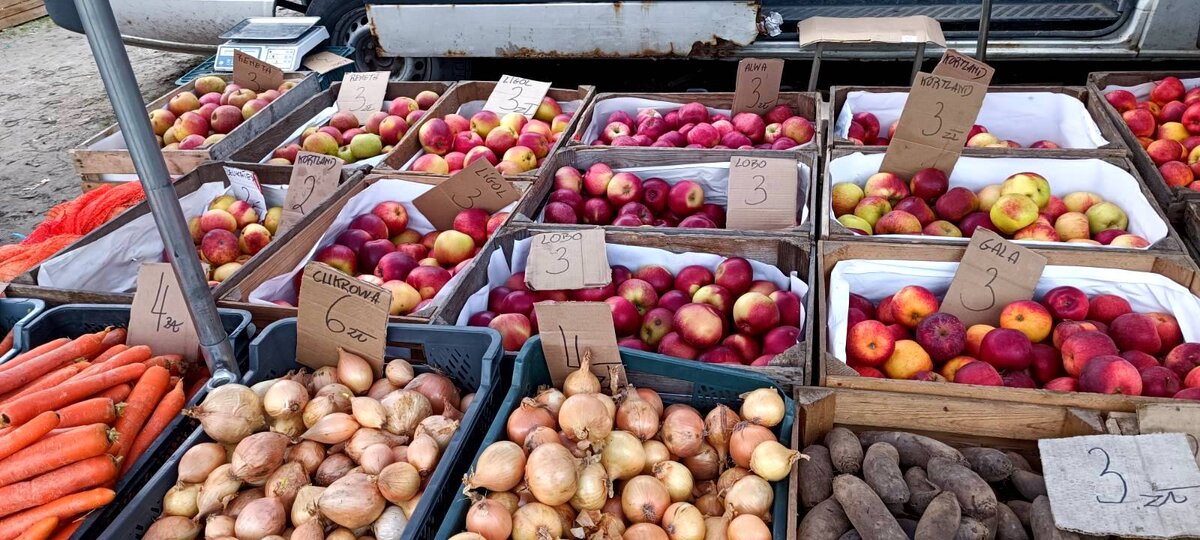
(314, 178)
(992, 274)
(159, 317)
(574, 331)
(762, 193)
(340, 311)
(478, 185)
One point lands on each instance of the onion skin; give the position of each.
(683, 432)
(644, 500)
(705, 465)
(405, 410)
(375, 458)
(763, 407)
(682, 521)
(230, 413)
(500, 467)
(656, 452)
(623, 456)
(334, 467)
(651, 396)
(584, 417)
(467, 536)
(550, 473)
(219, 488)
(333, 429)
(199, 461)
(527, 417)
(398, 482)
(637, 416)
(718, 428)
(508, 499)
(322, 377)
(438, 388)
(751, 495)
(645, 531)
(593, 488)
(676, 478)
(489, 519)
(536, 521)
(234, 507)
(539, 436)
(304, 507)
(440, 428)
(308, 454)
(710, 505)
(352, 501)
(286, 481)
(747, 527)
(730, 477)
(551, 399)
(173, 528)
(746, 437)
(381, 388)
(390, 525)
(285, 398)
(218, 526)
(368, 412)
(261, 518)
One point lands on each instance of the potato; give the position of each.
(1042, 522)
(1021, 510)
(920, 489)
(865, 510)
(909, 526)
(1018, 461)
(990, 464)
(1028, 484)
(845, 450)
(816, 476)
(1009, 526)
(975, 496)
(941, 518)
(881, 470)
(825, 521)
(971, 529)
(915, 450)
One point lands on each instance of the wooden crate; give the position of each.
(277, 135)
(833, 373)
(466, 92)
(1092, 101)
(833, 229)
(1172, 199)
(790, 254)
(92, 164)
(15, 12)
(26, 284)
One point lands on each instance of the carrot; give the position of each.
(28, 433)
(146, 394)
(88, 411)
(117, 393)
(40, 530)
(53, 452)
(34, 353)
(64, 532)
(45, 382)
(109, 353)
(61, 482)
(173, 363)
(77, 503)
(141, 353)
(166, 411)
(7, 343)
(116, 336)
(20, 410)
(197, 385)
(28, 371)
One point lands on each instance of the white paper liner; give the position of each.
(319, 120)
(1142, 91)
(602, 108)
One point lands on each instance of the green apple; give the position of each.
(1031, 185)
(1013, 212)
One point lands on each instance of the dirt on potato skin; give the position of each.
(52, 99)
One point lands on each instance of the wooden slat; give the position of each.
(23, 17)
(9, 8)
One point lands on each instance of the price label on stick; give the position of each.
(250, 72)
(516, 94)
(573, 331)
(1140, 486)
(159, 317)
(362, 93)
(762, 193)
(325, 61)
(992, 274)
(337, 310)
(245, 187)
(568, 260)
(478, 185)
(314, 179)
(757, 85)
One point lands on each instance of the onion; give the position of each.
(309, 530)
(676, 478)
(527, 417)
(398, 372)
(584, 418)
(262, 517)
(334, 467)
(229, 413)
(410, 505)
(172, 528)
(260, 388)
(285, 398)
(400, 454)
(613, 506)
(610, 406)
(467, 536)
(452, 413)
(340, 393)
(763, 407)
(592, 489)
(683, 522)
(747, 527)
(745, 438)
(354, 371)
(606, 526)
(333, 429)
(644, 500)
(582, 380)
(286, 481)
(676, 407)
(683, 432)
(341, 533)
(656, 452)
(539, 436)
(718, 427)
(575, 449)
(704, 487)
(751, 495)
(380, 389)
(536, 521)
(398, 482)
(499, 468)
(368, 412)
(438, 388)
(645, 531)
(218, 526)
(290, 426)
(551, 399)
(507, 499)
(352, 501)
(199, 461)
(375, 458)
(550, 474)
(466, 401)
(566, 516)
(234, 507)
(440, 428)
(623, 456)
(773, 461)
(651, 396)
(423, 454)
(309, 454)
(710, 504)
(489, 519)
(365, 438)
(304, 507)
(637, 415)
(705, 465)
(220, 486)
(405, 410)
(318, 407)
(730, 477)
(322, 377)
(180, 500)
(390, 525)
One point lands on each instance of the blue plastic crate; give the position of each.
(15, 313)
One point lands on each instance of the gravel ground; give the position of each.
(51, 99)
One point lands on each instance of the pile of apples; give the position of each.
(513, 144)
(345, 138)
(379, 248)
(1168, 126)
(864, 130)
(691, 126)
(1067, 342)
(600, 197)
(721, 317)
(229, 233)
(1020, 208)
(188, 122)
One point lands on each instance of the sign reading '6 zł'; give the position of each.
(340, 311)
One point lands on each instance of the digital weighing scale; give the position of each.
(280, 41)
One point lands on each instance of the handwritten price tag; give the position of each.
(515, 94)
(992, 274)
(250, 72)
(325, 61)
(314, 178)
(572, 330)
(478, 185)
(362, 93)
(757, 85)
(337, 310)
(762, 193)
(568, 260)
(246, 188)
(159, 317)
(1141, 486)
(960, 66)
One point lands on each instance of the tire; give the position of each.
(346, 21)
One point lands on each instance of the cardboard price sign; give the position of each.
(960, 66)
(568, 260)
(325, 61)
(757, 85)
(1141, 486)
(572, 331)
(337, 310)
(478, 185)
(516, 94)
(992, 274)
(762, 193)
(250, 72)
(1183, 417)
(159, 317)
(246, 188)
(314, 178)
(362, 93)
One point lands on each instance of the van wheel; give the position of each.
(346, 21)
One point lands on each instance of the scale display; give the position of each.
(281, 41)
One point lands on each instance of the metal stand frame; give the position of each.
(985, 20)
(918, 60)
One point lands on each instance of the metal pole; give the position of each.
(918, 61)
(985, 20)
(816, 68)
(113, 63)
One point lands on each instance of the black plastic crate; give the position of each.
(470, 356)
(16, 312)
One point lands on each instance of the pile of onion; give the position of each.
(333, 453)
(578, 463)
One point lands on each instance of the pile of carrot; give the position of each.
(75, 415)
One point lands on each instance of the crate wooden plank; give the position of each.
(20, 12)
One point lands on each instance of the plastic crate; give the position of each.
(325, 79)
(471, 356)
(15, 313)
(702, 386)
